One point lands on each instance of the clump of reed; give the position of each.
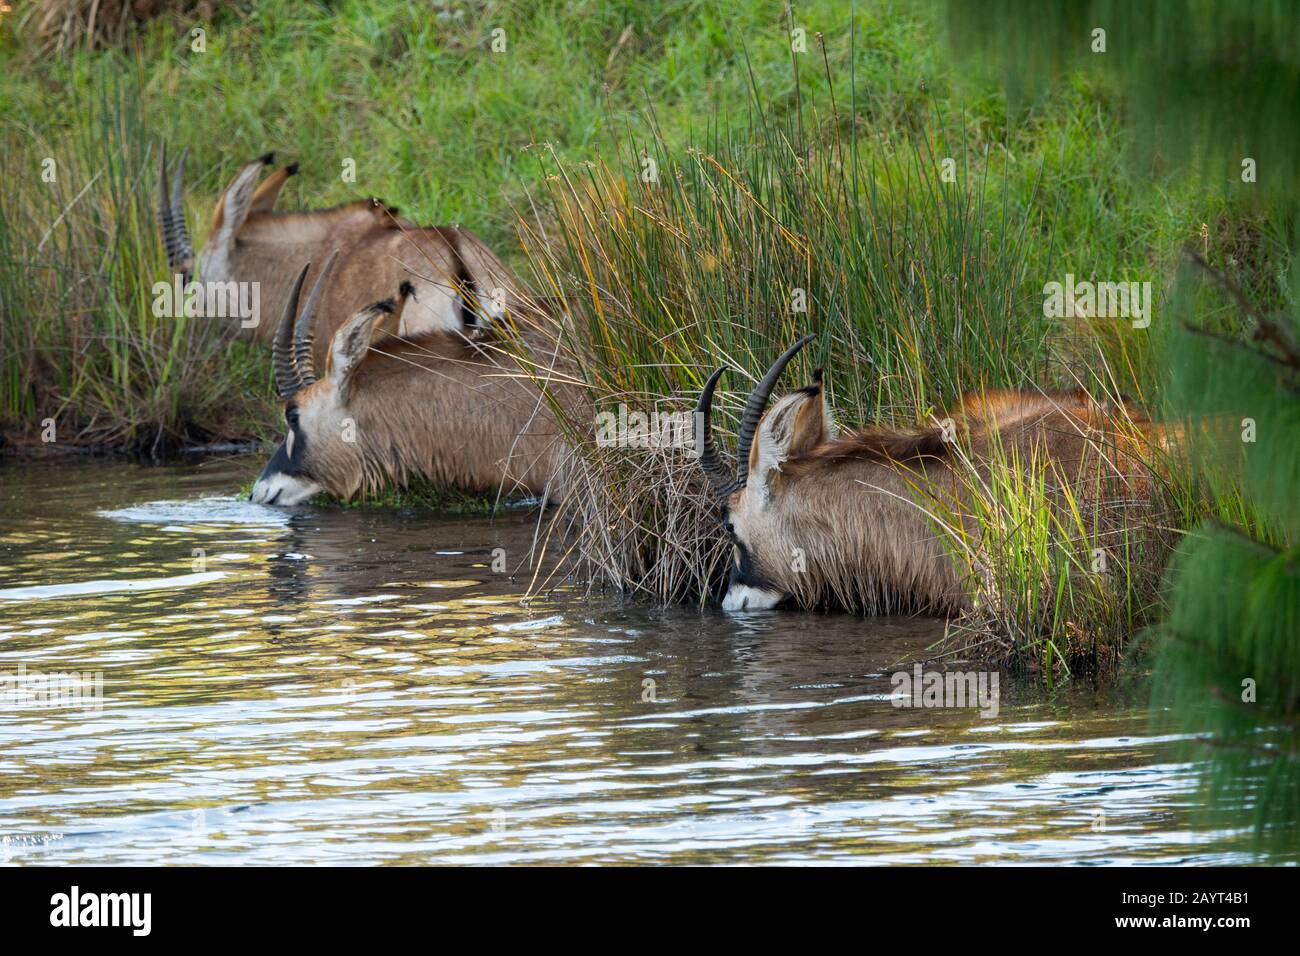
(80, 345)
(918, 290)
(683, 260)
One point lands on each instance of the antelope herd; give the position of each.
(390, 372)
(431, 398)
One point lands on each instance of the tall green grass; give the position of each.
(453, 132)
(80, 346)
(1064, 562)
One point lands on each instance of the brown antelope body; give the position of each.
(387, 409)
(851, 519)
(457, 281)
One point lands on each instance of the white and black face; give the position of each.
(761, 516)
(288, 478)
(756, 512)
(750, 586)
(320, 452)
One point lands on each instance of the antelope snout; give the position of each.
(276, 486)
(742, 597)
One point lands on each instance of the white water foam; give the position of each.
(217, 510)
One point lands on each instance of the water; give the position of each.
(348, 686)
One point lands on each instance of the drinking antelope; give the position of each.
(437, 405)
(817, 516)
(458, 281)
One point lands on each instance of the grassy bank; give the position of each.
(83, 359)
(448, 129)
(435, 119)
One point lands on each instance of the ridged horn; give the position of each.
(755, 406)
(721, 481)
(303, 333)
(287, 379)
(171, 216)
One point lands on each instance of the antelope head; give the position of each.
(243, 198)
(762, 520)
(320, 451)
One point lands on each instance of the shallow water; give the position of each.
(351, 686)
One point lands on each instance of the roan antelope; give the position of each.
(388, 409)
(458, 281)
(852, 508)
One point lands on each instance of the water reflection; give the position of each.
(355, 686)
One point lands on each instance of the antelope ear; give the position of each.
(352, 341)
(267, 193)
(237, 201)
(794, 425)
(391, 324)
(820, 425)
(484, 285)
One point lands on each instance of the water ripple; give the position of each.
(353, 686)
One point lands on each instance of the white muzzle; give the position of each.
(283, 491)
(741, 597)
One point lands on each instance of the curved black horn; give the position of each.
(178, 215)
(287, 379)
(164, 205)
(722, 482)
(755, 406)
(171, 216)
(303, 333)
